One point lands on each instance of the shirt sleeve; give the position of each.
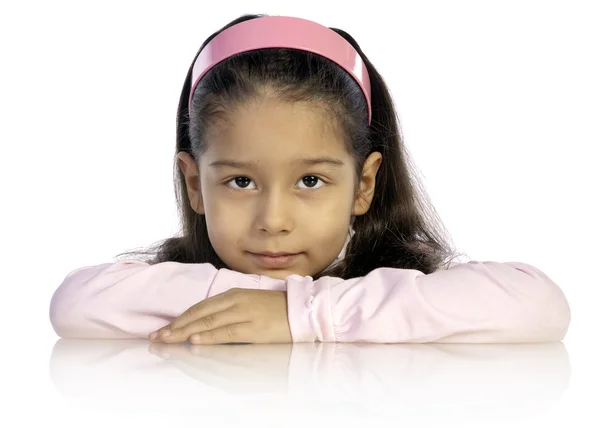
(473, 302)
(131, 298)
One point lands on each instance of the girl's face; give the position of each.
(276, 178)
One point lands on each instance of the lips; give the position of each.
(275, 260)
(275, 254)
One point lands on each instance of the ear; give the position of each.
(188, 167)
(366, 185)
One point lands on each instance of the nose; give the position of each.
(275, 213)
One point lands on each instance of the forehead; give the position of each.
(272, 130)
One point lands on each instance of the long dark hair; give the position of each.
(400, 230)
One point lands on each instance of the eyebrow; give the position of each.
(306, 161)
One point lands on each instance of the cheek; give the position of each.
(216, 208)
(223, 220)
(328, 230)
(224, 223)
(225, 235)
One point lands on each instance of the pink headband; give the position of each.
(282, 32)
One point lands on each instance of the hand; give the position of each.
(235, 316)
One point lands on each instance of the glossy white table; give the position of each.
(311, 384)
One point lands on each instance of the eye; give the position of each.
(310, 181)
(242, 182)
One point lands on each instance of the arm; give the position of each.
(130, 298)
(474, 302)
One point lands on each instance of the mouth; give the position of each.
(275, 260)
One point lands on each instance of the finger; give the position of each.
(212, 322)
(206, 307)
(209, 322)
(217, 303)
(232, 333)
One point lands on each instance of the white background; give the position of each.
(498, 102)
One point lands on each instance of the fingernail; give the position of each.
(165, 333)
(153, 335)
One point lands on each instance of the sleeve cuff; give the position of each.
(309, 310)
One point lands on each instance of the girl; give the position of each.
(301, 219)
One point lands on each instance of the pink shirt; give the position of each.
(472, 302)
